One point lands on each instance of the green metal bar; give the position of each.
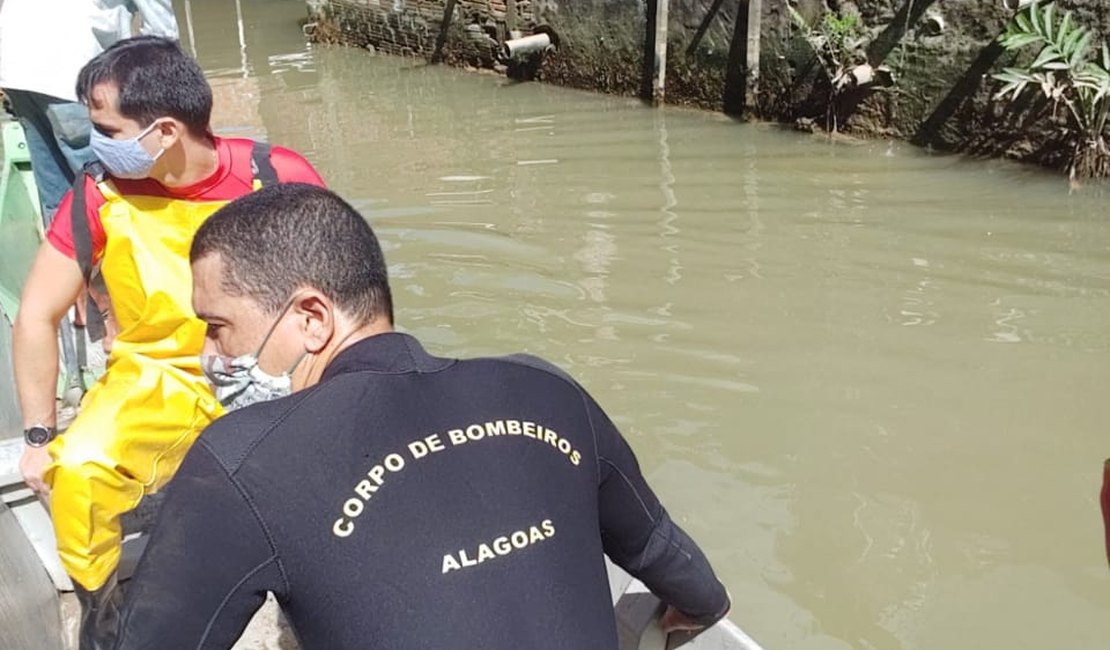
(20, 217)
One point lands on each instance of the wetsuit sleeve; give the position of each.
(60, 233)
(291, 167)
(206, 569)
(640, 537)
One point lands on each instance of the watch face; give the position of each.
(38, 436)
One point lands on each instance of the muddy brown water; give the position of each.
(871, 381)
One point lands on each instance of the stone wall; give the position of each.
(940, 97)
(416, 27)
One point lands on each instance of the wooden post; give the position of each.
(755, 29)
(743, 57)
(659, 77)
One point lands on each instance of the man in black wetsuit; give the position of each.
(394, 499)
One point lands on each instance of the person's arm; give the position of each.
(291, 167)
(206, 568)
(640, 537)
(52, 286)
(158, 18)
(54, 283)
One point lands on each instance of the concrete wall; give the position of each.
(413, 27)
(941, 95)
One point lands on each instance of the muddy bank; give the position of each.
(938, 58)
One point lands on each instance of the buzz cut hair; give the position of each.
(292, 236)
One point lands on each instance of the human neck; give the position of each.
(193, 161)
(321, 361)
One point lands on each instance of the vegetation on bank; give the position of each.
(838, 40)
(1069, 71)
(907, 68)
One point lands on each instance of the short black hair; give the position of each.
(155, 78)
(290, 236)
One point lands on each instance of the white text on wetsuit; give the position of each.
(501, 546)
(376, 477)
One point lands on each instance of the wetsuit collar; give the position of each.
(389, 353)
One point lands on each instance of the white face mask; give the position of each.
(239, 382)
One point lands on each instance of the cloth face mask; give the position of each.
(124, 158)
(239, 382)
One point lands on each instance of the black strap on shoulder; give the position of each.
(261, 166)
(82, 246)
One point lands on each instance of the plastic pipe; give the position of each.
(863, 74)
(518, 47)
(935, 24)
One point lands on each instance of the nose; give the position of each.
(209, 347)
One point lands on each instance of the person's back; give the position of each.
(405, 501)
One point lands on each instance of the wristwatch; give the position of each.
(39, 435)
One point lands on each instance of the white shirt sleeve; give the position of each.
(158, 18)
(112, 20)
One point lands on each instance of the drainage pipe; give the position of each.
(935, 24)
(520, 47)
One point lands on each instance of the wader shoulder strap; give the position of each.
(261, 166)
(82, 246)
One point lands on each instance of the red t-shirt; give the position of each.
(231, 180)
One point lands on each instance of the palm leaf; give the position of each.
(1072, 39)
(1063, 69)
(1048, 54)
(1018, 41)
(1023, 22)
(1063, 34)
(1013, 74)
(1081, 48)
(1015, 88)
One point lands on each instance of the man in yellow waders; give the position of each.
(165, 174)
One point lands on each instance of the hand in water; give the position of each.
(32, 465)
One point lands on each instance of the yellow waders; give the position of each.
(139, 420)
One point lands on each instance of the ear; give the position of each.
(315, 315)
(170, 132)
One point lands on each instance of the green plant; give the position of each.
(1072, 74)
(838, 41)
(844, 33)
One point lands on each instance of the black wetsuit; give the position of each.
(409, 501)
